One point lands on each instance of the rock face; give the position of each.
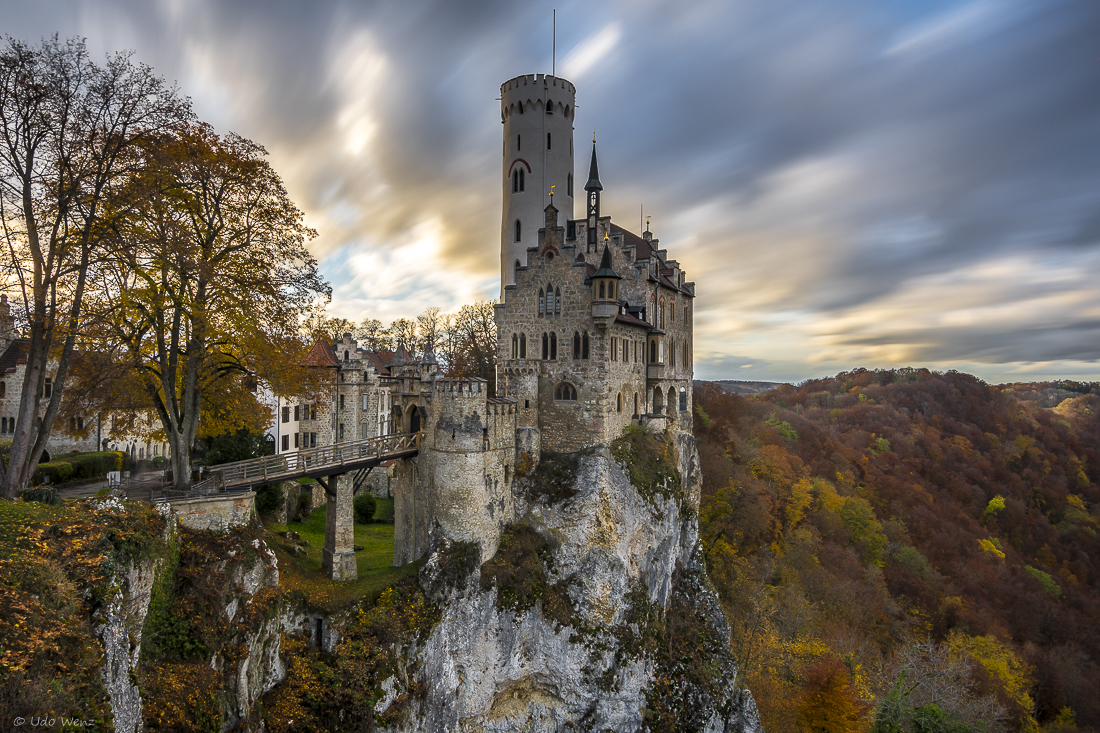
(627, 561)
(121, 636)
(253, 640)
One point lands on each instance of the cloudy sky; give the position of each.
(849, 183)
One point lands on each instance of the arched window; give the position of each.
(549, 106)
(685, 312)
(683, 400)
(584, 345)
(521, 108)
(653, 352)
(671, 353)
(545, 346)
(557, 301)
(671, 404)
(542, 303)
(548, 141)
(619, 402)
(565, 392)
(658, 404)
(553, 346)
(567, 111)
(515, 269)
(515, 346)
(603, 293)
(523, 346)
(519, 142)
(635, 404)
(661, 313)
(515, 181)
(519, 230)
(576, 345)
(569, 184)
(684, 362)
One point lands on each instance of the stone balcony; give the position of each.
(655, 371)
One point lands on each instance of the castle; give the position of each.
(594, 333)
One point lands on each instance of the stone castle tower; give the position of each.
(537, 112)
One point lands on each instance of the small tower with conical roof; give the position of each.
(605, 290)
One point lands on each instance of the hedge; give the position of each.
(78, 465)
(57, 471)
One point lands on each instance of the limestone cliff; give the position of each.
(596, 613)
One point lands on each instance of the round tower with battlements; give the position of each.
(537, 111)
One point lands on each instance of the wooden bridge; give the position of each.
(357, 456)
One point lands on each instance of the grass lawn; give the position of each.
(375, 560)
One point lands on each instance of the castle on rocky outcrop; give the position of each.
(594, 333)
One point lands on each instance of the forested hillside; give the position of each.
(908, 551)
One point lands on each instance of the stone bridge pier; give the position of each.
(338, 556)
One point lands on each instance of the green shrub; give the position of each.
(160, 462)
(41, 494)
(268, 498)
(305, 499)
(364, 508)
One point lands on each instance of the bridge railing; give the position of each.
(290, 465)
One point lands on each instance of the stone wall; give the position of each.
(216, 513)
(460, 482)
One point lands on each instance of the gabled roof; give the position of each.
(320, 355)
(15, 354)
(630, 320)
(375, 359)
(642, 250)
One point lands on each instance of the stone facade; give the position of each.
(626, 359)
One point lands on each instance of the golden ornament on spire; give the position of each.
(551, 192)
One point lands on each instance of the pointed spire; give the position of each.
(593, 173)
(605, 266)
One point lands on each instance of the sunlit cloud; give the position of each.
(846, 186)
(591, 51)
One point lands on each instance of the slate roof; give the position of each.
(630, 320)
(15, 354)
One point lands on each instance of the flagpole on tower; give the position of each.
(554, 51)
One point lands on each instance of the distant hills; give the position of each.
(899, 546)
(738, 386)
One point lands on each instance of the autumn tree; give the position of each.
(403, 332)
(209, 282)
(70, 132)
(476, 338)
(372, 335)
(829, 702)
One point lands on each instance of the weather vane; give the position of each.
(551, 192)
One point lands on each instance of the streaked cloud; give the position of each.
(849, 184)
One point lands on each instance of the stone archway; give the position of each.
(411, 421)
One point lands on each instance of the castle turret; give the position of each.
(605, 290)
(537, 112)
